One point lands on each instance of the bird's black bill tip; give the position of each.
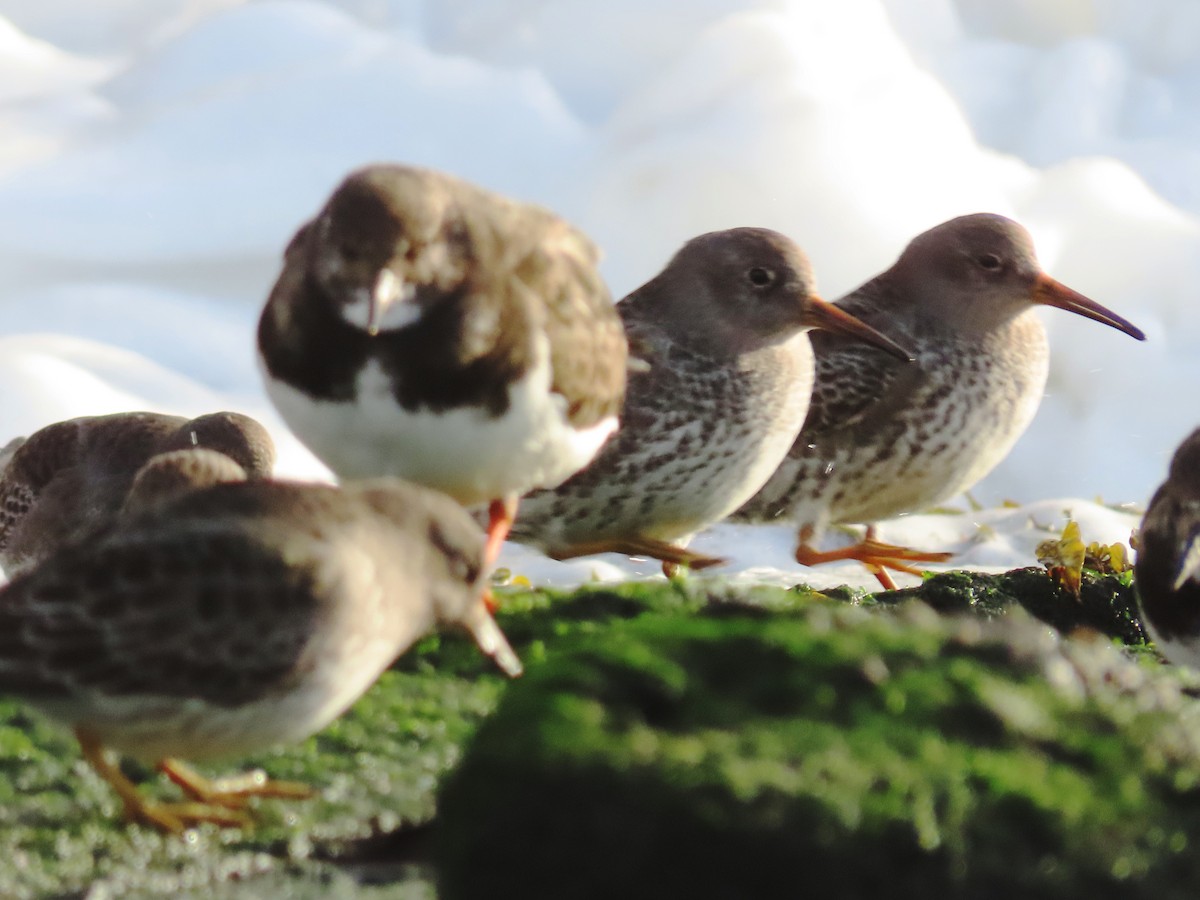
(828, 317)
(1049, 292)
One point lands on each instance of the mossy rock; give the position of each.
(1107, 602)
(835, 753)
(376, 769)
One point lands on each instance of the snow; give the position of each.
(157, 155)
(990, 540)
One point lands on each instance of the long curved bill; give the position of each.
(828, 317)
(1050, 292)
(491, 639)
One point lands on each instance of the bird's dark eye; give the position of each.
(760, 277)
(351, 253)
(989, 261)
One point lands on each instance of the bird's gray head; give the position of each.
(389, 240)
(741, 289)
(978, 272)
(736, 289)
(451, 544)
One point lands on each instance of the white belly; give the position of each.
(463, 452)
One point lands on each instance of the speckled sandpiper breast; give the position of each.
(727, 380)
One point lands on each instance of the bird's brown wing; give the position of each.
(853, 384)
(587, 341)
(105, 451)
(146, 610)
(33, 466)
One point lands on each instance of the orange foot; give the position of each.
(875, 555)
(173, 818)
(232, 792)
(669, 555)
(219, 802)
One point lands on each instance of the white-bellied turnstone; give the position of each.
(884, 438)
(1167, 571)
(234, 618)
(727, 383)
(65, 478)
(425, 328)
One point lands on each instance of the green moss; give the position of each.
(833, 754)
(534, 619)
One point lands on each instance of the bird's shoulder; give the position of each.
(852, 381)
(559, 278)
(1170, 533)
(1168, 562)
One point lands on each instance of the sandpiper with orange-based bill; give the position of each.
(721, 334)
(883, 438)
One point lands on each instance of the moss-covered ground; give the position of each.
(691, 738)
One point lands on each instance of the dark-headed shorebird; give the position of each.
(727, 383)
(65, 478)
(425, 328)
(234, 618)
(1168, 558)
(884, 438)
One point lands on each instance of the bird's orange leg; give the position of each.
(877, 556)
(668, 554)
(234, 791)
(501, 515)
(173, 818)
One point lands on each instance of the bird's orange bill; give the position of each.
(828, 317)
(640, 546)
(490, 639)
(1049, 292)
